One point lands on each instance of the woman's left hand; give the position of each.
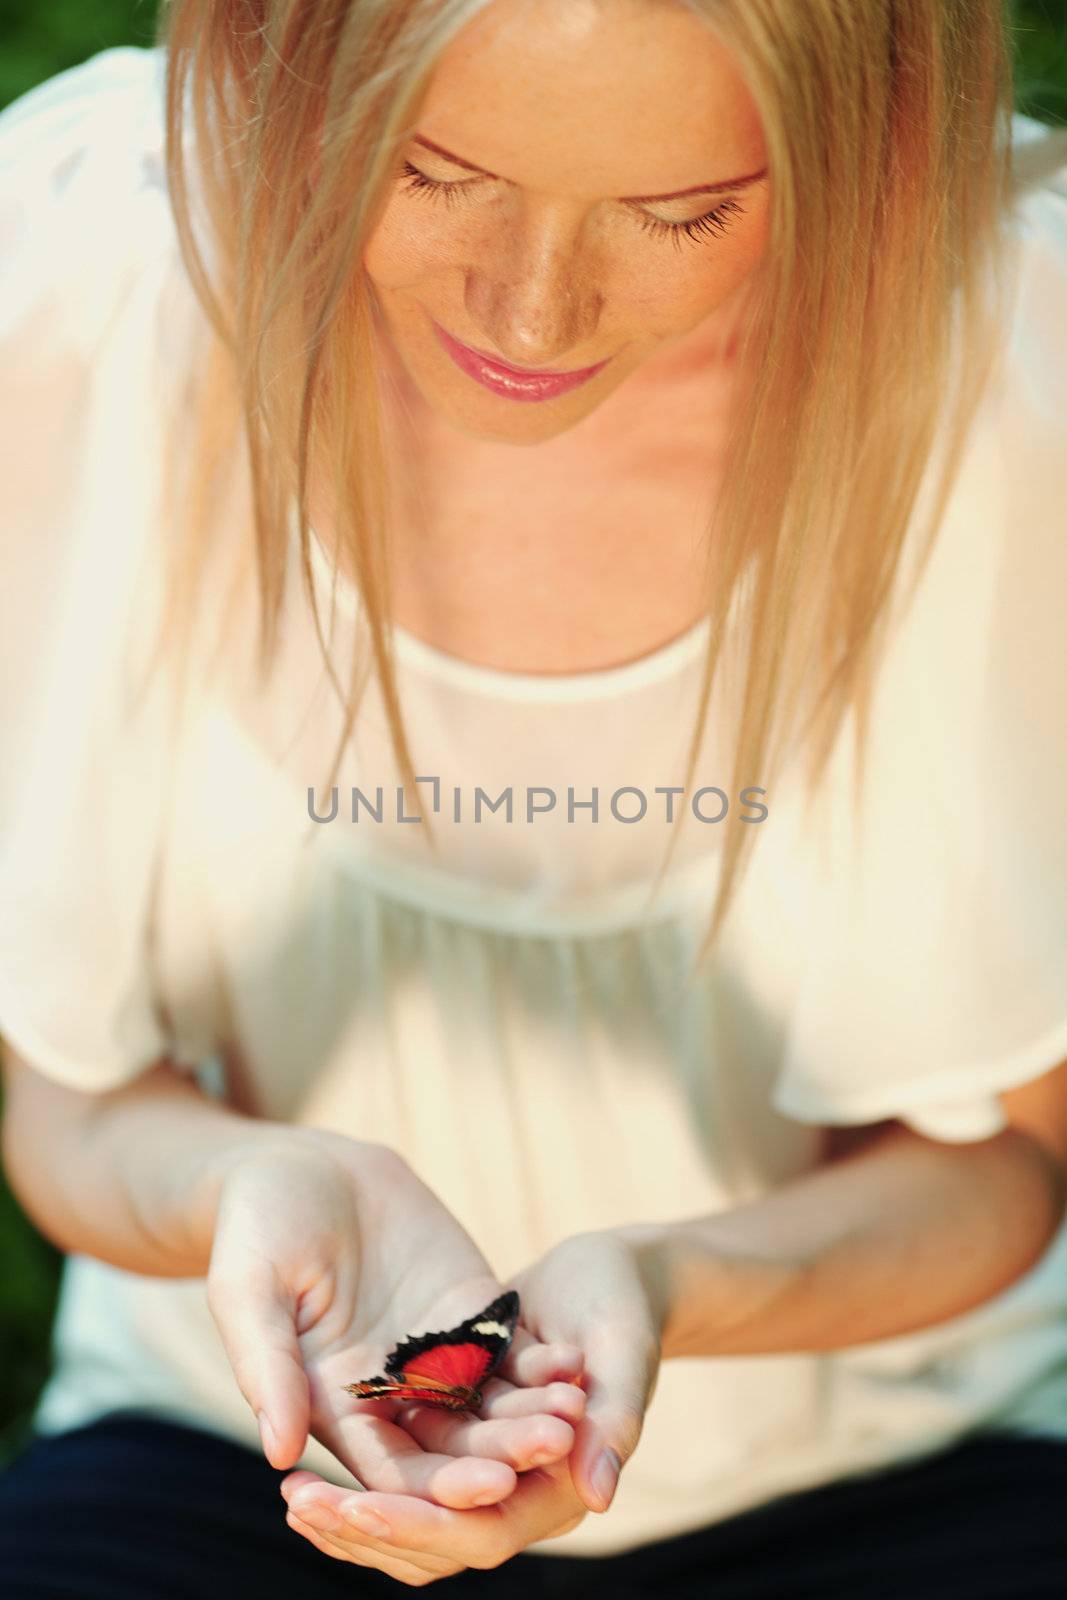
(593, 1291)
(590, 1291)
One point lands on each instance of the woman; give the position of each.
(559, 352)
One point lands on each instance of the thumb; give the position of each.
(619, 1380)
(256, 1316)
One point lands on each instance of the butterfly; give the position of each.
(447, 1369)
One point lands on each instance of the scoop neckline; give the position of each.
(432, 662)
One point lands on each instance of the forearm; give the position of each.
(131, 1176)
(902, 1234)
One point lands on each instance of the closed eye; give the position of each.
(419, 181)
(714, 222)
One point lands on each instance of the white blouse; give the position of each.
(515, 1013)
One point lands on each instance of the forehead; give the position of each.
(593, 97)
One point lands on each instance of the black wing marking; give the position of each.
(479, 1329)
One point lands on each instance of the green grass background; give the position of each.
(38, 40)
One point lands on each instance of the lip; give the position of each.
(507, 381)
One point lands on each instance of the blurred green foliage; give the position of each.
(39, 40)
(29, 1277)
(36, 42)
(1041, 58)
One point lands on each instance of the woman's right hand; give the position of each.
(326, 1252)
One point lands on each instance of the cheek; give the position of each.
(676, 286)
(405, 250)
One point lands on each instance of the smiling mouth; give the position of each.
(526, 372)
(513, 383)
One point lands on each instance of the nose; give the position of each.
(536, 298)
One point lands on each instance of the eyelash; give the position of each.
(713, 222)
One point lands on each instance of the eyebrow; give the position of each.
(637, 199)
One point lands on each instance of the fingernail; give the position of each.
(317, 1515)
(605, 1476)
(364, 1520)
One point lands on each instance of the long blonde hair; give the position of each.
(875, 326)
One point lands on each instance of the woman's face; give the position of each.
(546, 259)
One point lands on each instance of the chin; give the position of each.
(508, 421)
(520, 433)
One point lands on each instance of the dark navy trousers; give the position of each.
(135, 1508)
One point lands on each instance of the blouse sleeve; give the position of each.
(937, 974)
(83, 761)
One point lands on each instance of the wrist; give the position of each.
(708, 1291)
(194, 1192)
(293, 1153)
(652, 1248)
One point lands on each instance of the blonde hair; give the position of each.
(875, 326)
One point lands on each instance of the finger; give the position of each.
(500, 1399)
(298, 1480)
(317, 1514)
(382, 1455)
(361, 1555)
(620, 1375)
(522, 1442)
(542, 1505)
(318, 1539)
(529, 1362)
(256, 1317)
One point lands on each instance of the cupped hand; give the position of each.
(600, 1292)
(326, 1252)
(590, 1292)
(416, 1542)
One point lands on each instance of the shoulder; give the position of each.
(108, 107)
(937, 945)
(82, 193)
(110, 81)
(1036, 228)
(86, 240)
(999, 574)
(1026, 431)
